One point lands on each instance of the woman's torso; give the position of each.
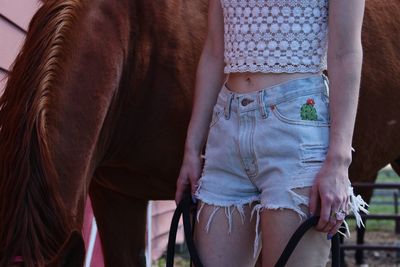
(243, 82)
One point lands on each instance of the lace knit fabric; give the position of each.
(275, 35)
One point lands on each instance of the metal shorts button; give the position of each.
(246, 101)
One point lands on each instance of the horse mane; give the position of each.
(33, 220)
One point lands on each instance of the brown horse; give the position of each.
(377, 126)
(97, 103)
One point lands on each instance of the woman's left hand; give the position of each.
(331, 189)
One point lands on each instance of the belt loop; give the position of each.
(325, 78)
(260, 98)
(326, 81)
(227, 108)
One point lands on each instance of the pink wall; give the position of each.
(10, 43)
(2, 82)
(162, 212)
(19, 12)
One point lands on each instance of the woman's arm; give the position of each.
(344, 69)
(209, 78)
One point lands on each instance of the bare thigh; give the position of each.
(219, 248)
(278, 226)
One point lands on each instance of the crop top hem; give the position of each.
(279, 69)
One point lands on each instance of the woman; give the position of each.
(278, 147)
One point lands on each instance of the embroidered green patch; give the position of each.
(308, 111)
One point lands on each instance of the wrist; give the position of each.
(194, 143)
(192, 151)
(339, 159)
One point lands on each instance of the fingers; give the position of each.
(346, 205)
(180, 188)
(328, 221)
(324, 223)
(329, 206)
(193, 187)
(335, 228)
(181, 185)
(186, 183)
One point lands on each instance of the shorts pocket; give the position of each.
(312, 110)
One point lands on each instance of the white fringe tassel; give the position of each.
(356, 204)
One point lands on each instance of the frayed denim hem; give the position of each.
(229, 209)
(297, 198)
(356, 204)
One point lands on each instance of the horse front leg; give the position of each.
(121, 221)
(89, 96)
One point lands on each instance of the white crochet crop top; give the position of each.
(275, 35)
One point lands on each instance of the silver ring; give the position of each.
(340, 215)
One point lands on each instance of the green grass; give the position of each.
(179, 261)
(384, 176)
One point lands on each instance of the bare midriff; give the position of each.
(244, 82)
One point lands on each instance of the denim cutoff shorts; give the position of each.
(263, 144)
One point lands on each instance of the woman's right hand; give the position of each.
(188, 176)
